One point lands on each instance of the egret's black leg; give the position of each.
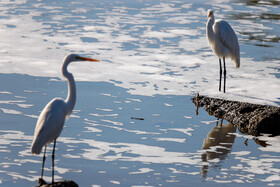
(43, 164)
(220, 74)
(225, 74)
(53, 161)
(222, 122)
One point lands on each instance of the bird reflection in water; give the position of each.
(258, 141)
(217, 145)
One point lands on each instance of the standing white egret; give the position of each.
(51, 120)
(223, 42)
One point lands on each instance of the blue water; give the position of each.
(134, 123)
(102, 145)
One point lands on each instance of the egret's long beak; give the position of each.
(87, 59)
(209, 14)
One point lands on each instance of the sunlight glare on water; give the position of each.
(165, 40)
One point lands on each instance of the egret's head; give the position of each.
(210, 13)
(73, 57)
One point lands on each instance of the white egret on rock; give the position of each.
(223, 42)
(51, 120)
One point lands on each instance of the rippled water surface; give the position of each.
(134, 123)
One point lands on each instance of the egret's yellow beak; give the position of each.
(87, 59)
(209, 14)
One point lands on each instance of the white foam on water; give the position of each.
(175, 58)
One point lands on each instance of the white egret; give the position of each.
(223, 42)
(51, 120)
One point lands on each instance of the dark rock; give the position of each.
(64, 183)
(249, 118)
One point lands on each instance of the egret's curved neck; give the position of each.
(71, 98)
(209, 29)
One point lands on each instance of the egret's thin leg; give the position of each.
(53, 161)
(222, 122)
(225, 74)
(220, 74)
(43, 164)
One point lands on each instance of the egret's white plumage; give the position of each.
(223, 40)
(49, 124)
(51, 120)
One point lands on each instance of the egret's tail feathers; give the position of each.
(36, 148)
(236, 62)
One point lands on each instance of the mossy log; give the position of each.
(249, 118)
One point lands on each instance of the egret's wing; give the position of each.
(49, 124)
(229, 40)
